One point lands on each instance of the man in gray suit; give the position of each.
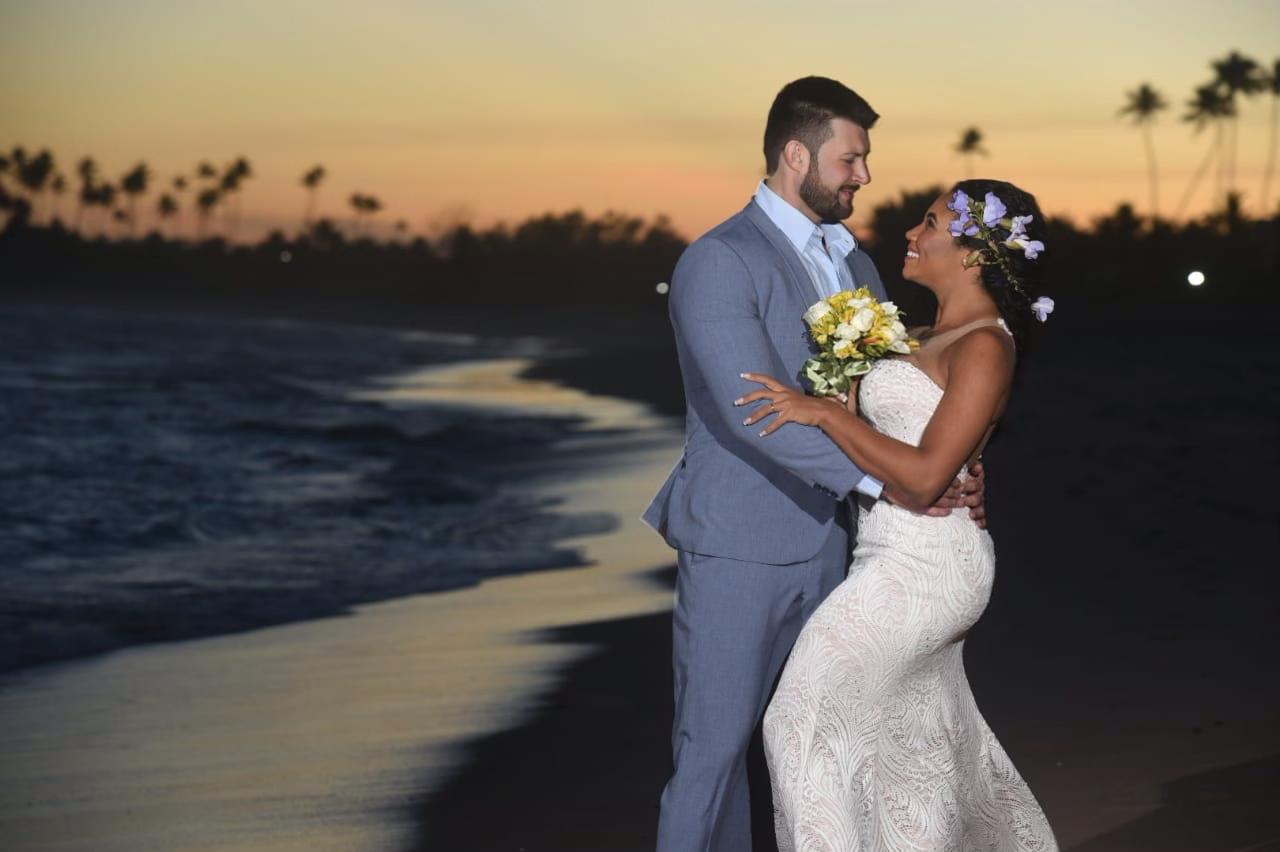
(761, 526)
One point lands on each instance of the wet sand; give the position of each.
(326, 735)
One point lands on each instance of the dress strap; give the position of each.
(948, 336)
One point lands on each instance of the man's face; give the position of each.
(837, 172)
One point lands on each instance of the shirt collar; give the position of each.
(798, 228)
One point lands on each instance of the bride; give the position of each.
(873, 738)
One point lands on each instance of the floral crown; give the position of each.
(981, 219)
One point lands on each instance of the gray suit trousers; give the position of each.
(733, 627)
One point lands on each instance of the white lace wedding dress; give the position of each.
(873, 738)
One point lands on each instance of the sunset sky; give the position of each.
(502, 110)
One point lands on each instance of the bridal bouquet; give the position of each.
(852, 329)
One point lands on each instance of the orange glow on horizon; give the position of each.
(508, 111)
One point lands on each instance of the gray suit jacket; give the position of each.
(737, 302)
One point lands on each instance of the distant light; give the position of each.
(663, 287)
(1196, 278)
(286, 256)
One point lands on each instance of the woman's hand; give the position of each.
(790, 405)
(851, 396)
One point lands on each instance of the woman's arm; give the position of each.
(981, 369)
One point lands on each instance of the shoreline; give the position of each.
(323, 734)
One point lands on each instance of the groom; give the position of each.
(761, 526)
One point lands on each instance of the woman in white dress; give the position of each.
(873, 738)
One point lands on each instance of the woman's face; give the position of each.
(932, 253)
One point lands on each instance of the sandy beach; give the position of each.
(1126, 661)
(328, 734)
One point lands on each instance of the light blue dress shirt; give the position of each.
(822, 250)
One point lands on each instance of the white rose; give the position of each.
(844, 331)
(901, 347)
(864, 319)
(859, 304)
(843, 348)
(889, 307)
(816, 312)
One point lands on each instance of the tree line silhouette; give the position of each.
(32, 187)
(610, 262)
(104, 253)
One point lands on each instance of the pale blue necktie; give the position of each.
(828, 282)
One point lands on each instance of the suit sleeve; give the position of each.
(721, 333)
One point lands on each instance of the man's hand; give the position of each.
(971, 493)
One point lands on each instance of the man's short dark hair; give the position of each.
(803, 110)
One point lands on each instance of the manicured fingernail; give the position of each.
(738, 401)
(746, 422)
(762, 434)
(742, 375)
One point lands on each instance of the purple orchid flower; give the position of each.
(1019, 227)
(993, 210)
(1042, 307)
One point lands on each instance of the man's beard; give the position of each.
(823, 201)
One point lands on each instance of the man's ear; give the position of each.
(796, 156)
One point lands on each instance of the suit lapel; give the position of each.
(863, 272)
(796, 273)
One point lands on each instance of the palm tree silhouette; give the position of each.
(970, 145)
(1210, 106)
(232, 178)
(1236, 74)
(206, 170)
(104, 196)
(311, 180)
(365, 206)
(87, 169)
(206, 201)
(33, 173)
(57, 186)
(133, 184)
(166, 208)
(1143, 104)
(179, 184)
(1273, 88)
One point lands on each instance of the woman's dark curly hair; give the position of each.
(1013, 302)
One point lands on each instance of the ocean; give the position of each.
(167, 476)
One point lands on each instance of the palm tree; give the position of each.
(1209, 107)
(970, 144)
(88, 171)
(311, 180)
(57, 186)
(206, 170)
(134, 183)
(364, 205)
(33, 173)
(104, 196)
(1143, 104)
(166, 208)
(234, 175)
(1273, 87)
(206, 201)
(179, 184)
(1236, 74)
